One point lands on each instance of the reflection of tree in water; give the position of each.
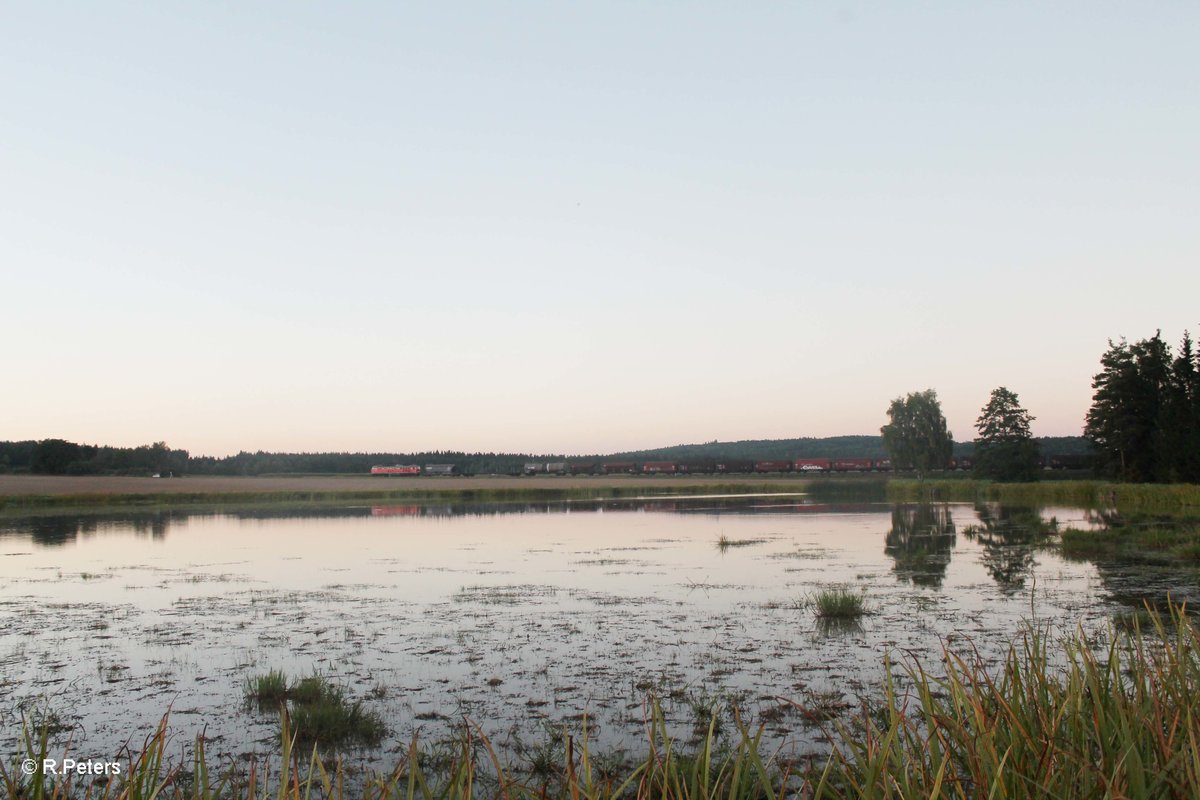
(62, 529)
(55, 531)
(920, 541)
(1009, 536)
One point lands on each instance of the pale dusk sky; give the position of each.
(582, 228)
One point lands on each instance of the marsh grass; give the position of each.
(321, 713)
(1072, 721)
(267, 690)
(724, 543)
(1062, 718)
(1138, 539)
(838, 603)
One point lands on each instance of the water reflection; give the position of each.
(919, 541)
(519, 615)
(1009, 536)
(56, 530)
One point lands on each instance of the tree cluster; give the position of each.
(1145, 416)
(61, 457)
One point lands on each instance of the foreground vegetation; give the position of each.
(1064, 719)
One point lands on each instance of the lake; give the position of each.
(521, 617)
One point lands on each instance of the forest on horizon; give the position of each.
(60, 457)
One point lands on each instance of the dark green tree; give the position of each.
(55, 456)
(1005, 449)
(1130, 421)
(916, 436)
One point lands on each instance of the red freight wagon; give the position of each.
(850, 464)
(396, 470)
(813, 465)
(773, 466)
(659, 466)
(882, 464)
(613, 467)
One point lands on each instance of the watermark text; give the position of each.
(62, 767)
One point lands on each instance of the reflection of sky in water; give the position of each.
(584, 606)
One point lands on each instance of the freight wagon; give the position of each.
(398, 469)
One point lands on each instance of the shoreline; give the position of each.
(28, 492)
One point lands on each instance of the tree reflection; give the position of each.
(57, 531)
(64, 529)
(1009, 536)
(920, 541)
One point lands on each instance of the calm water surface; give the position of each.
(520, 617)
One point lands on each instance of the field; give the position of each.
(33, 492)
(54, 485)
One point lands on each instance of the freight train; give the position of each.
(807, 466)
(798, 465)
(414, 469)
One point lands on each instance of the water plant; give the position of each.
(320, 711)
(724, 543)
(267, 690)
(838, 602)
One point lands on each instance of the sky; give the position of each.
(581, 227)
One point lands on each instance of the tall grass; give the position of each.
(1123, 721)
(1069, 719)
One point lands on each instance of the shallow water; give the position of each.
(520, 617)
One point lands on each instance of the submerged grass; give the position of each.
(1063, 719)
(724, 543)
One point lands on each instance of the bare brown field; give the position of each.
(53, 486)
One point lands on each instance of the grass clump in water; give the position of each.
(320, 711)
(724, 543)
(267, 690)
(838, 603)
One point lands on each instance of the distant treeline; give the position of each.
(60, 457)
(261, 463)
(827, 447)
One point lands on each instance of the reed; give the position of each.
(1119, 721)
